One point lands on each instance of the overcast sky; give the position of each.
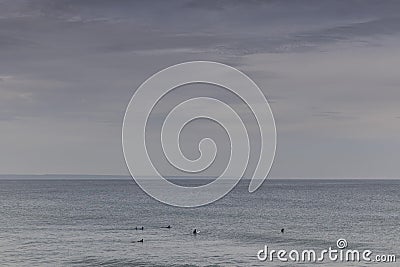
(330, 70)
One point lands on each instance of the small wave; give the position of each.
(92, 261)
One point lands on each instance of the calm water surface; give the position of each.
(92, 223)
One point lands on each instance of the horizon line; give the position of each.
(120, 176)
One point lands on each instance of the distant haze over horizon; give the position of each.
(127, 177)
(330, 70)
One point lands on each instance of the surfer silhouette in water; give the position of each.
(282, 230)
(195, 231)
(167, 227)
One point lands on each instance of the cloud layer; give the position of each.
(329, 69)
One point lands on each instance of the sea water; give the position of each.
(92, 223)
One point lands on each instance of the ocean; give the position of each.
(92, 223)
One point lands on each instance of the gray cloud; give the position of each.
(329, 69)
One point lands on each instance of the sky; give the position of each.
(330, 70)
